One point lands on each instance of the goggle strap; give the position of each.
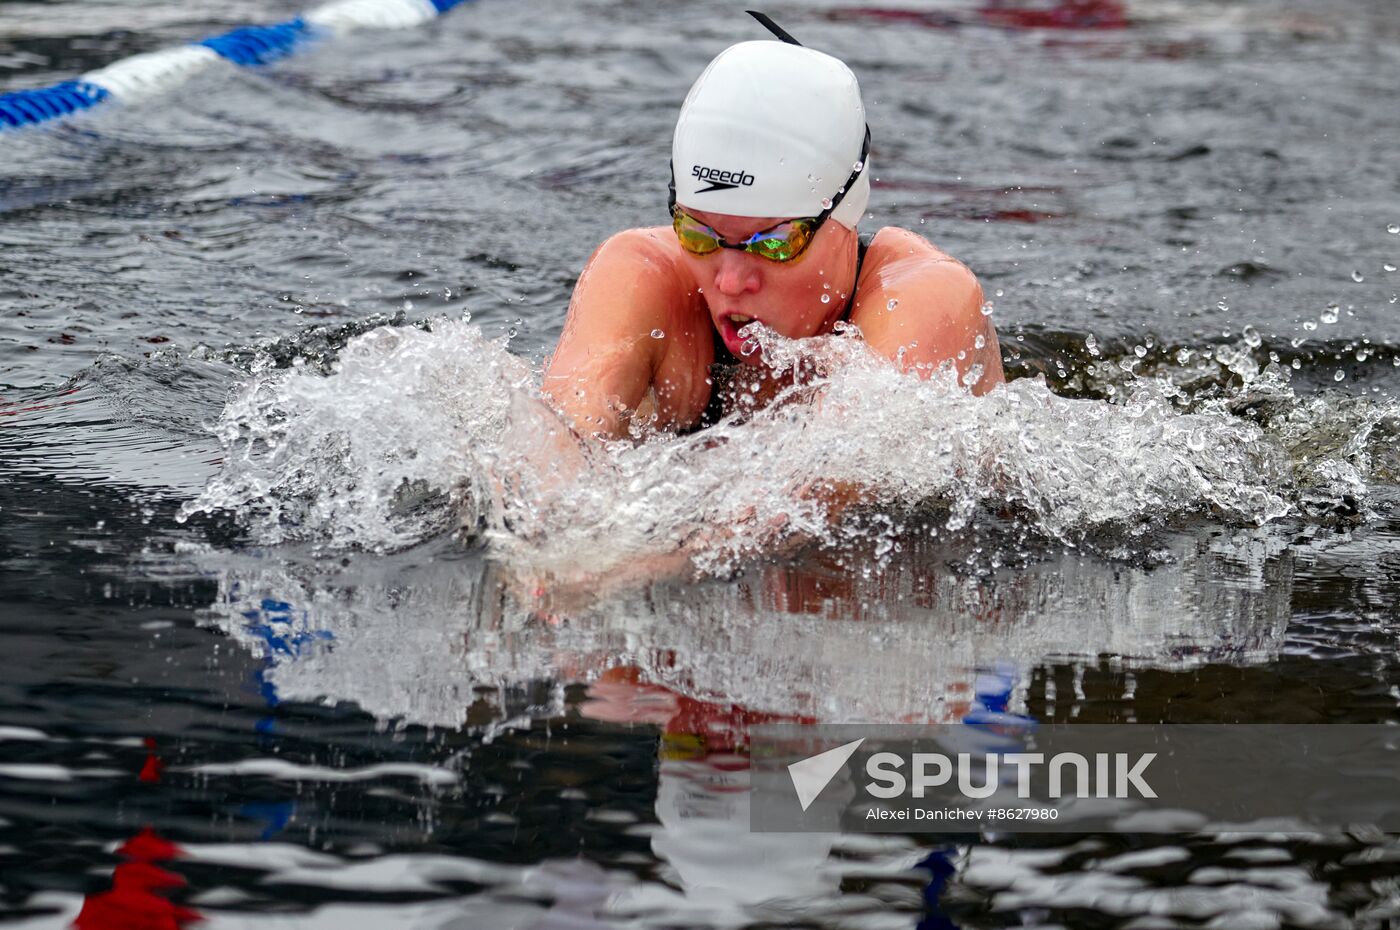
(774, 28)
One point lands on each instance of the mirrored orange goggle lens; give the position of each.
(779, 245)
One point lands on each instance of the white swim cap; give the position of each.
(772, 129)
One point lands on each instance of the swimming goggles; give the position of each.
(780, 243)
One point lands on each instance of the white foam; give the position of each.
(415, 432)
(348, 459)
(330, 458)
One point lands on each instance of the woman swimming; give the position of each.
(770, 177)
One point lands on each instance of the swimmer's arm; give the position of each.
(606, 359)
(937, 315)
(937, 318)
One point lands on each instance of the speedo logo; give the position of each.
(721, 180)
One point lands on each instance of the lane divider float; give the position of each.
(152, 73)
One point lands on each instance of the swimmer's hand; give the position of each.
(553, 595)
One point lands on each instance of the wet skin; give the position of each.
(611, 368)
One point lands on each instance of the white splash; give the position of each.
(415, 432)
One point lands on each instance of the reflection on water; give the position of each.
(435, 636)
(414, 636)
(141, 883)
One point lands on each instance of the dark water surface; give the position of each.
(355, 726)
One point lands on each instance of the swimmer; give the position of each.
(770, 179)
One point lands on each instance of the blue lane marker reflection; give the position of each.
(275, 623)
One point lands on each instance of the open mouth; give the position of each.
(729, 326)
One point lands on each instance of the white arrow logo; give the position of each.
(814, 773)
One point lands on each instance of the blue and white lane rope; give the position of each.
(142, 76)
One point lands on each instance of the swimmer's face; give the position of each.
(785, 296)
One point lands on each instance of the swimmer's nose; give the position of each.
(736, 274)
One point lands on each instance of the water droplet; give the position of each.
(1339, 376)
(1310, 325)
(826, 298)
(1221, 305)
(511, 332)
(1393, 229)
(1330, 314)
(1092, 344)
(891, 303)
(998, 292)
(858, 166)
(1389, 266)
(749, 347)
(826, 203)
(1358, 277)
(1140, 351)
(980, 342)
(1252, 337)
(699, 290)
(813, 178)
(1297, 364)
(987, 308)
(826, 285)
(658, 334)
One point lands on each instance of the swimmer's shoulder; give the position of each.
(650, 249)
(922, 306)
(906, 249)
(635, 274)
(900, 264)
